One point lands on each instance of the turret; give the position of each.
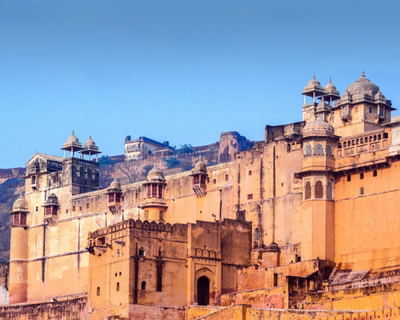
(154, 206)
(199, 174)
(19, 252)
(114, 192)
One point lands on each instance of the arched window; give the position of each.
(98, 291)
(142, 252)
(256, 235)
(375, 173)
(319, 190)
(329, 150)
(319, 149)
(329, 191)
(308, 150)
(143, 286)
(308, 191)
(117, 286)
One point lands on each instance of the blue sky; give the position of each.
(182, 71)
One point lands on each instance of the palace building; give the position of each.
(306, 220)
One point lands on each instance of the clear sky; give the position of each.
(182, 71)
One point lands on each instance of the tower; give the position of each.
(318, 191)
(19, 252)
(154, 204)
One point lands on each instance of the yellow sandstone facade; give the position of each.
(307, 219)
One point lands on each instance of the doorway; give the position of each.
(203, 291)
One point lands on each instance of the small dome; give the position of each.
(379, 96)
(20, 204)
(272, 247)
(52, 200)
(115, 185)
(155, 174)
(330, 86)
(200, 166)
(313, 82)
(363, 86)
(322, 105)
(90, 143)
(318, 127)
(73, 141)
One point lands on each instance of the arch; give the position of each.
(117, 286)
(203, 291)
(319, 190)
(319, 149)
(329, 150)
(308, 150)
(307, 194)
(329, 191)
(256, 234)
(98, 291)
(143, 285)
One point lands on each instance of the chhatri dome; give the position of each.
(362, 86)
(155, 174)
(318, 127)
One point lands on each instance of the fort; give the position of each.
(302, 225)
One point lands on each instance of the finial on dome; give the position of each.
(363, 74)
(313, 75)
(73, 132)
(330, 80)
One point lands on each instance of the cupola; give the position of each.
(114, 192)
(72, 145)
(19, 211)
(51, 209)
(199, 174)
(90, 148)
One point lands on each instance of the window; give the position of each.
(87, 205)
(117, 197)
(117, 253)
(16, 219)
(37, 209)
(160, 195)
(203, 179)
(215, 181)
(375, 173)
(161, 215)
(196, 179)
(361, 191)
(136, 195)
(208, 180)
(226, 177)
(319, 149)
(48, 211)
(308, 150)
(275, 279)
(111, 197)
(117, 286)
(307, 191)
(98, 291)
(361, 175)
(142, 252)
(73, 208)
(250, 173)
(250, 196)
(319, 190)
(288, 147)
(348, 178)
(256, 235)
(329, 150)
(23, 218)
(370, 109)
(241, 215)
(143, 286)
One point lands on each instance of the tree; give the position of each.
(185, 149)
(105, 161)
(171, 162)
(127, 168)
